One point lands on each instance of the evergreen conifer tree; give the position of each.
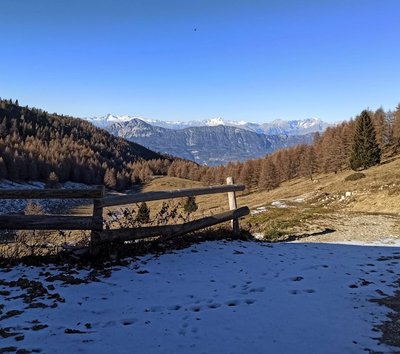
(53, 180)
(396, 126)
(143, 215)
(268, 176)
(190, 205)
(110, 179)
(366, 151)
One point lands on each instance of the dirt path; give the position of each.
(354, 227)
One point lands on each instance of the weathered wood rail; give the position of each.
(99, 236)
(52, 222)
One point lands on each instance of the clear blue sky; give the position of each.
(197, 59)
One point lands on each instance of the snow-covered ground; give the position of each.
(215, 297)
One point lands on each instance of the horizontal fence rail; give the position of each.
(177, 193)
(167, 231)
(99, 236)
(50, 222)
(51, 193)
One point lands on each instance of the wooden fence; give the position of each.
(94, 223)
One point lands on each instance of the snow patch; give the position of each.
(279, 204)
(258, 210)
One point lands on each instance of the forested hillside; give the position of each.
(344, 146)
(36, 145)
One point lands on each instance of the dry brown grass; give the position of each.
(378, 192)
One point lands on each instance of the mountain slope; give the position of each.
(34, 143)
(214, 145)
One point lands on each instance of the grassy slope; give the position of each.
(378, 192)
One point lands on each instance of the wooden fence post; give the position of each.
(232, 206)
(97, 212)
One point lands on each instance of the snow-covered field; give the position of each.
(215, 297)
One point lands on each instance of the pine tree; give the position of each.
(3, 169)
(143, 215)
(379, 122)
(246, 175)
(53, 180)
(308, 162)
(110, 179)
(366, 151)
(190, 205)
(396, 126)
(268, 175)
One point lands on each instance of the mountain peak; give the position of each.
(215, 121)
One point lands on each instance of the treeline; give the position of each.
(356, 144)
(38, 146)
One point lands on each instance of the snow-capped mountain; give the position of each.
(213, 141)
(211, 145)
(109, 119)
(295, 127)
(279, 126)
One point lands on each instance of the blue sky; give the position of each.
(198, 59)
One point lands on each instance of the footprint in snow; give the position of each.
(142, 272)
(194, 330)
(129, 322)
(214, 306)
(298, 278)
(260, 289)
(249, 301)
(195, 308)
(232, 303)
(307, 291)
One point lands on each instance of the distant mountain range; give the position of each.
(276, 127)
(214, 141)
